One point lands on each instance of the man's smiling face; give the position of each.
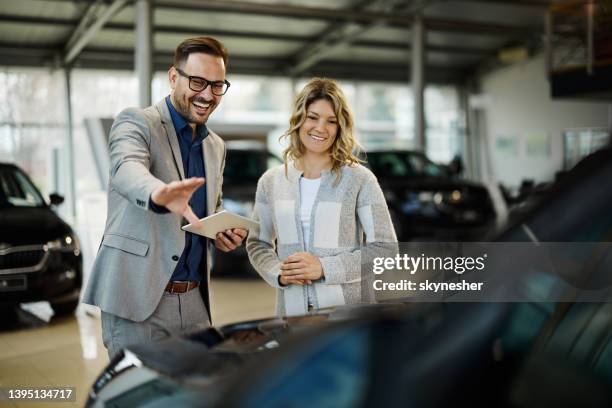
(196, 107)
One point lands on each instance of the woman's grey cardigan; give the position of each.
(341, 215)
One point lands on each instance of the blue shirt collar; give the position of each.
(180, 124)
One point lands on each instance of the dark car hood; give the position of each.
(428, 183)
(25, 226)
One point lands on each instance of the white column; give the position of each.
(143, 51)
(418, 81)
(71, 156)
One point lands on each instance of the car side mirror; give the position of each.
(56, 199)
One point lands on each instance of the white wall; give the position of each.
(520, 105)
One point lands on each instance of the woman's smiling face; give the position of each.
(320, 127)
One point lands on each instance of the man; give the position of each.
(147, 268)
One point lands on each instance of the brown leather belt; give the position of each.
(181, 286)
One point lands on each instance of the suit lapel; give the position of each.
(211, 166)
(171, 136)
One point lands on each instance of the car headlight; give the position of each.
(67, 243)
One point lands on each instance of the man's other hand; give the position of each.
(175, 197)
(230, 239)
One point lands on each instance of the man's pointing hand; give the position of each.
(175, 197)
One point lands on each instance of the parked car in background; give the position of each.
(245, 162)
(40, 255)
(427, 201)
(535, 353)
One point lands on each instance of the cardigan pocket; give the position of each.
(329, 295)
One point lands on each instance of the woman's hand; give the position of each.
(288, 280)
(301, 266)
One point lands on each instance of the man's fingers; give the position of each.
(227, 243)
(236, 239)
(185, 186)
(191, 217)
(193, 182)
(221, 246)
(240, 232)
(176, 190)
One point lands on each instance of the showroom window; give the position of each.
(33, 130)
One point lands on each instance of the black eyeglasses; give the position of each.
(198, 84)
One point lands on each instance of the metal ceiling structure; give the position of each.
(416, 41)
(345, 39)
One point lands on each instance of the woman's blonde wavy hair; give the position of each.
(342, 151)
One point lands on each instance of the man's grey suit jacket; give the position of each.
(141, 248)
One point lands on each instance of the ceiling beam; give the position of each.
(72, 51)
(540, 4)
(328, 40)
(468, 27)
(158, 28)
(282, 10)
(167, 29)
(432, 24)
(86, 20)
(342, 15)
(15, 55)
(403, 20)
(339, 35)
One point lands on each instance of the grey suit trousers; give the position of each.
(176, 314)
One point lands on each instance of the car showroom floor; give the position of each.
(68, 351)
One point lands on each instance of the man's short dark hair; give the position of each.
(205, 45)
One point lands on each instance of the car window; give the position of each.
(16, 190)
(401, 164)
(242, 167)
(390, 164)
(423, 166)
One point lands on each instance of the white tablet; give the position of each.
(218, 222)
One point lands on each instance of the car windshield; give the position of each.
(246, 166)
(403, 164)
(16, 189)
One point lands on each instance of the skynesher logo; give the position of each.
(458, 264)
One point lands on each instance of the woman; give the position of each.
(315, 209)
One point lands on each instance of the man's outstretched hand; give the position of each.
(175, 197)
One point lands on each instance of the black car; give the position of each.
(245, 162)
(525, 354)
(427, 201)
(40, 257)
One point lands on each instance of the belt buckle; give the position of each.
(173, 287)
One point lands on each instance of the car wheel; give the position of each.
(65, 308)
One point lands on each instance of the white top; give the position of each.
(308, 193)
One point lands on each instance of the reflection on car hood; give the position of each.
(428, 183)
(177, 357)
(220, 351)
(25, 226)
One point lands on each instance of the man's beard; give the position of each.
(184, 108)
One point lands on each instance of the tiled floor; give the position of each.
(68, 352)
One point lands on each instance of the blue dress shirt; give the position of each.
(192, 260)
